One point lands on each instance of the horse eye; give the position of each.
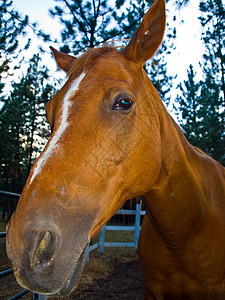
(122, 104)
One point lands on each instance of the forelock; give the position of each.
(89, 58)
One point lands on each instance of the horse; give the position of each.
(112, 139)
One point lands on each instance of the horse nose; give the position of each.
(45, 248)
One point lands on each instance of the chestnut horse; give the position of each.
(112, 140)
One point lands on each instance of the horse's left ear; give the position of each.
(63, 60)
(149, 34)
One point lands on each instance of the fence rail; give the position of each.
(10, 194)
(100, 244)
(136, 228)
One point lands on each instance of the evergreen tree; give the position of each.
(211, 116)
(37, 93)
(86, 23)
(23, 126)
(213, 86)
(213, 24)
(202, 104)
(157, 69)
(12, 25)
(90, 23)
(189, 107)
(181, 3)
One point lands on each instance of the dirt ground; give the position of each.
(122, 279)
(112, 275)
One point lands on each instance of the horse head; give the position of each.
(104, 148)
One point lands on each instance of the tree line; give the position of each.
(200, 104)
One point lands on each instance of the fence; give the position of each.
(136, 228)
(100, 244)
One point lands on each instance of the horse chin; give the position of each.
(73, 279)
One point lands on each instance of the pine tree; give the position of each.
(86, 23)
(22, 124)
(12, 25)
(213, 86)
(37, 93)
(211, 115)
(213, 24)
(189, 107)
(181, 3)
(156, 68)
(202, 104)
(90, 23)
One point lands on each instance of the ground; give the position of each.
(115, 275)
(121, 281)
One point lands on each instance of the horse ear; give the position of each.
(63, 60)
(149, 34)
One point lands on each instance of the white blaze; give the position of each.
(63, 125)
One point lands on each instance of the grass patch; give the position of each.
(3, 226)
(119, 236)
(116, 236)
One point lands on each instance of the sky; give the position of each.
(189, 48)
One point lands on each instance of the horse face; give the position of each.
(104, 149)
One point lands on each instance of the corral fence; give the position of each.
(136, 228)
(100, 245)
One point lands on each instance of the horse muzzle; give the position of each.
(43, 265)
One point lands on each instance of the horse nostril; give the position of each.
(45, 251)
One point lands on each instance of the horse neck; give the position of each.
(178, 199)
